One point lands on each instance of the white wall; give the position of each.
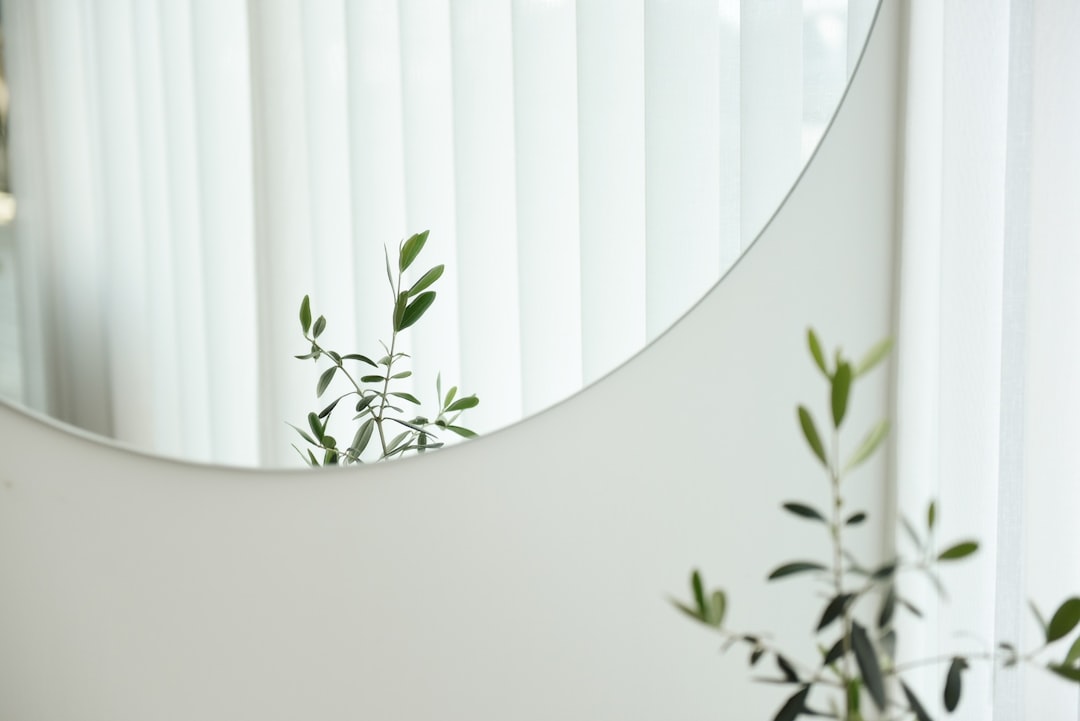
(522, 576)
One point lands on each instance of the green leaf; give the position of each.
(320, 326)
(316, 426)
(873, 356)
(450, 396)
(687, 610)
(330, 408)
(789, 569)
(324, 380)
(841, 388)
(305, 458)
(396, 442)
(910, 607)
(417, 308)
(787, 669)
(888, 607)
(402, 374)
(887, 642)
(834, 610)
(365, 402)
(714, 612)
(756, 655)
(304, 435)
(953, 683)
(1073, 674)
(372, 379)
(1038, 617)
(884, 571)
(793, 707)
(960, 550)
(407, 396)
(914, 705)
(389, 275)
(699, 592)
(835, 653)
(869, 445)
(1064, 620)
(426, 280)
(816, 352)
(811, 434)
(399, 310)
(804, 511)
(329, 442)
(868, 665)
(410, 249)
(855, 519)
(931, 515)
(462, 404)
(305, 314)
(363, 436)
(1073, 655)
(462, 431)
(312, 458)
(358, 357)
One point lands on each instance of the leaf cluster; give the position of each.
(857, 660)
(383, 428)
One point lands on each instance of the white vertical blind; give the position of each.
(611, 153)
(587, 170)
(987, 339)
(548, 215)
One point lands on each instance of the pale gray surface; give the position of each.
(528, 579)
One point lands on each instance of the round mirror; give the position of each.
(183, 173)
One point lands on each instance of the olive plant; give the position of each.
(379, 416)
(857, 657)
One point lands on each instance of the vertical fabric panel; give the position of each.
(729, 130)
(283, 224)
(182, 159)
(485, 157)
(919, 336)
(125, 254)
(332, 289)
(549, 257)
(824, 67)
(682, 156)
(1052, 455)
(611, 156)
(375, 157)
(77, 344)
(771, 91)
(973, 185)
(430, 195)
(1010, 603)
(329, 188)
(36, 312)
(223, 123)
(157, 228)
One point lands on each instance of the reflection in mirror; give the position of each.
(187, 170)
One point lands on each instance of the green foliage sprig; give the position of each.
(857, 658)
(377, 414)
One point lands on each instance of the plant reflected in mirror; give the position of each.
(382, 425)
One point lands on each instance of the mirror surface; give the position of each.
(183, 173)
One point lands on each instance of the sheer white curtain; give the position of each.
(187, 170)
(989, 332)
